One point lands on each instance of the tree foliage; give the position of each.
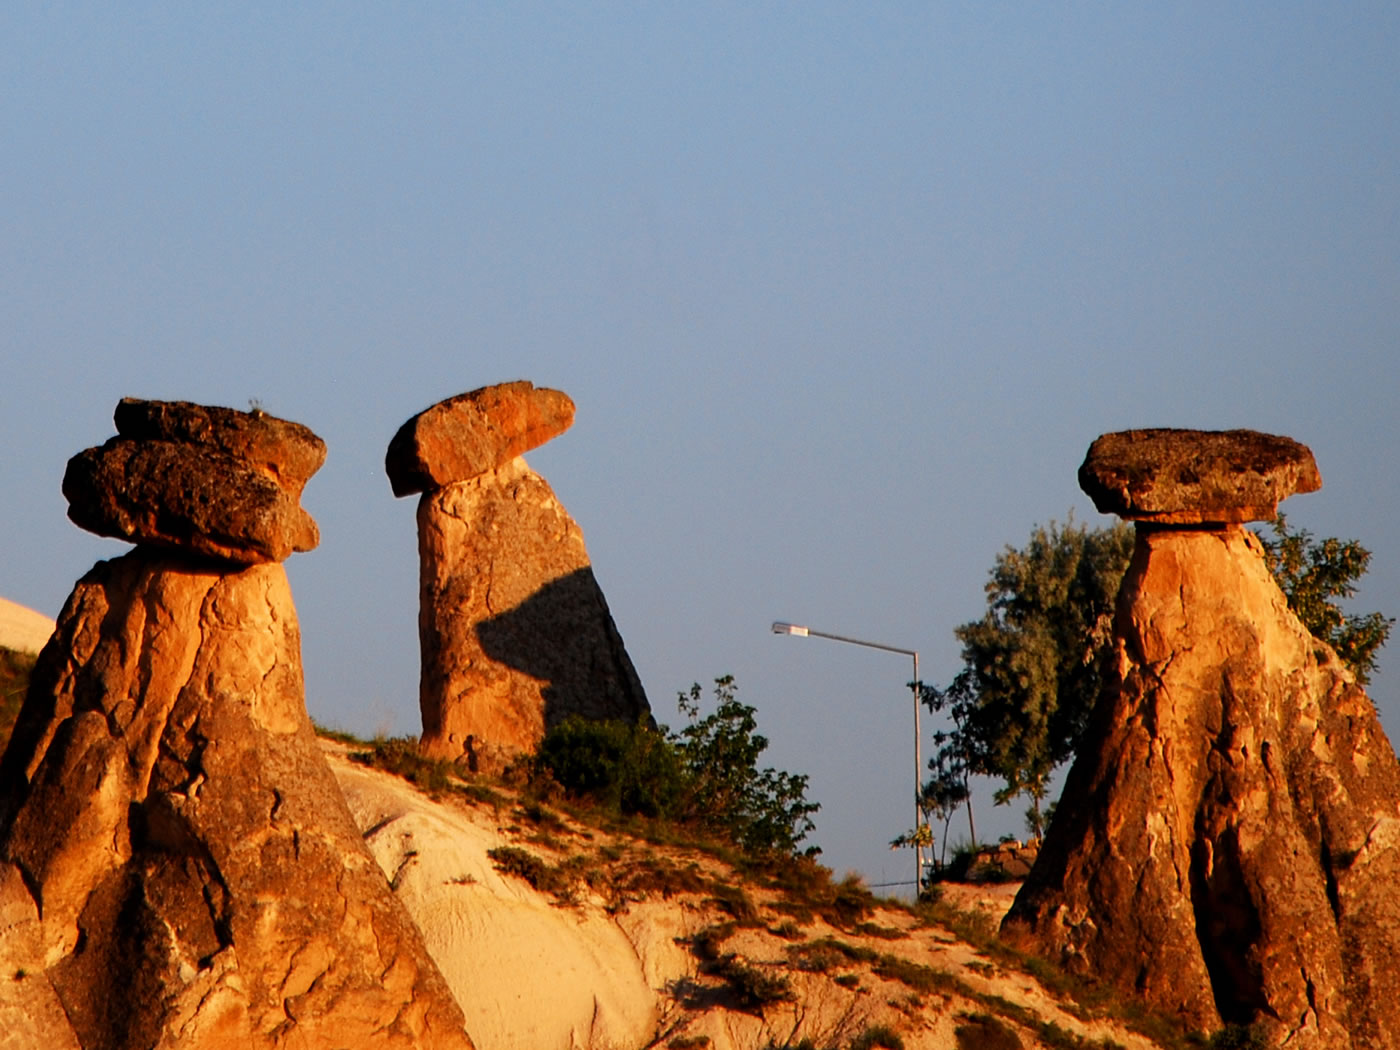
(1311, 573)
(1034, 664)
(706, 775)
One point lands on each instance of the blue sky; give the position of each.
(842, 292)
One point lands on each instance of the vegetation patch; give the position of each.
(705, 776)
(879, 1035)
(922, 979)
(399, 755)
(560, 881)
(15, 669)
(753, 987)
(985, 1032)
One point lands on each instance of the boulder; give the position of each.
(211, 481)
(516, 634)
(457, 439)
(286, 451)
(1194, 476)
(177, 865)
(1228, 839)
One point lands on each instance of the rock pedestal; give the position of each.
(177, 865)
(1228, 841)
(515, 632)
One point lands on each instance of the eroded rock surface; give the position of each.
(177, 865)
(211, 481)
(1192, 476)
(516, 634)
(1228, 841)
(457, 439)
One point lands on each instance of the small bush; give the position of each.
(1238, 1037)
(706, 944)
(985, 1032)
(629, 769)
(883, 933)
(753, 987)
(878, 1035)
(787, 930)
(815, 958)
(738, 904)
(399, 755)
(15, 671)
(558, 881)
(921, 978)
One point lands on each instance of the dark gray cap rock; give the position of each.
(284, 450)
(1183, 477)
(469, 434)
(210, 481)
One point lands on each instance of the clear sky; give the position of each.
(842, 292)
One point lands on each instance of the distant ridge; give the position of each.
(23, 629)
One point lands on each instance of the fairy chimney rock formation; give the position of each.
(515, 632)
(1229, 839)
(211, 481)
(177, 865)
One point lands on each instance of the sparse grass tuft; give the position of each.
(752, 986)
(878, 1035)
(340, 735)
(985, 1032)
(399, 755)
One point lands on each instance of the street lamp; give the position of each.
(803, 632)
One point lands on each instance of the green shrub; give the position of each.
(985, 1032)
(878, 1035)
(706, 776)
(1237, 1037)
(629, 769)
(558, 880)
(15, 669)
(399, 755)
(752, 987)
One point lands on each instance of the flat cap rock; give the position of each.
(286, 451)
(211, 481)
(1183, 477)
(467, 435)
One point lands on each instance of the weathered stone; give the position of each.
(515, 633)
(177, 866)
(1228, 841)
(1193, 476)
(285, 451)
(186, 497)
(457, 439)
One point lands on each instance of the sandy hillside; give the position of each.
(572, 937)
(23, 629)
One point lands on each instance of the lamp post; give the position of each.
(803, 632)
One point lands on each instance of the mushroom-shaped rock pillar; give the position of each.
(516, 635)
(177, 865)
(1228, 841)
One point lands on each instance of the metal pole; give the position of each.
(918, 785)
(800, 631)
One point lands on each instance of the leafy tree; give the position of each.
(763, 809)
(1313, 572)
(1034, 663)
(706, 775)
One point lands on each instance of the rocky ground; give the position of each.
(555, 932)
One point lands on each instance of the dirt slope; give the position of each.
(620, 944)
